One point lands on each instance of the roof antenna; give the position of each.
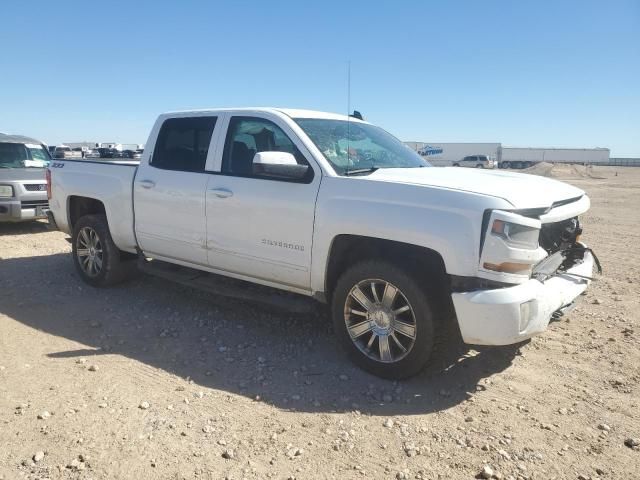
(355, 113)
(348, 88)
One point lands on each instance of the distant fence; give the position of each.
(620, 162)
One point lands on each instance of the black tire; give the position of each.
(505, 165)
(413, 291)
(115, 264)
(456, 165)
(479, 165)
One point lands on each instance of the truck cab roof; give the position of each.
(290, 112)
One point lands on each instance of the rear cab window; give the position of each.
(183, 144)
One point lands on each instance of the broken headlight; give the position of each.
(516, 234)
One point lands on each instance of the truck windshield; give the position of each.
(19, 155)
(356, 146)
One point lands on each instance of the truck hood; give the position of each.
(21, 174)
(521, 190)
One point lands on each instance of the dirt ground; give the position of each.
(154, 380)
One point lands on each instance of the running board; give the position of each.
(228, 287)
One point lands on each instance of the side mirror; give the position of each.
(278, 165)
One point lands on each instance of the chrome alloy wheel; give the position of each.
(380, 320)
(89, 251)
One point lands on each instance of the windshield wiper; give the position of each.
(360, 171)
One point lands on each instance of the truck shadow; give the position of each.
(289, 361)
(23, 228)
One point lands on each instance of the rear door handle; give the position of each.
(147, 183)
(221, 192)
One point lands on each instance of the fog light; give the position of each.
(527, 312)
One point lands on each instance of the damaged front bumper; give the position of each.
(510, 315)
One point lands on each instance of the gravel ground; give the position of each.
(154, 380)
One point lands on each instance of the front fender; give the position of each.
(448, 222)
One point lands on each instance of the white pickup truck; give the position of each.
(337, 209)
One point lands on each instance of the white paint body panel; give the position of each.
(110, 183)
(281, 233)
(179, 196)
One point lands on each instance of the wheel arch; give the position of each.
(347, 249)
(79, 206)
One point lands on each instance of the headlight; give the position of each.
(510, 243)
(516, 234)
(6, 191)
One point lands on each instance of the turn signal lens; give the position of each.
(498, 227)
(508, 267)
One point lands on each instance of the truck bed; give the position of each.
(109, 180)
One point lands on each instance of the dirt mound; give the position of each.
(543, 169)
(563, 170)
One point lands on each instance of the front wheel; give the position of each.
(384, 319)
(96, 257)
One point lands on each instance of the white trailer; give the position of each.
(525, 157)
(445, 154)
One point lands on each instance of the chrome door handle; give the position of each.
(147, 183)
(221, 192)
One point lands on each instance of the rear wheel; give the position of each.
(384, 319)
(479, 165)
(456, 164)
(96, 257)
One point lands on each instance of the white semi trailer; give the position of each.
(446, 154)
(526, 157)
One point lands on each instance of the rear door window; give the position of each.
(183, 144)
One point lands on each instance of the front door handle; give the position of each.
(221, 192)
(147, 183)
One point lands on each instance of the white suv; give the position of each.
(475, 161)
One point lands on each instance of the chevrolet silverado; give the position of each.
(337, 209)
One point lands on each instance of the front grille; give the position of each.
(559, 235)
(34, 203)
(35, 187)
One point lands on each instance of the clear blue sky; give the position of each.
(543, 73)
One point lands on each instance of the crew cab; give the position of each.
(337, 209)
(23, 193)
